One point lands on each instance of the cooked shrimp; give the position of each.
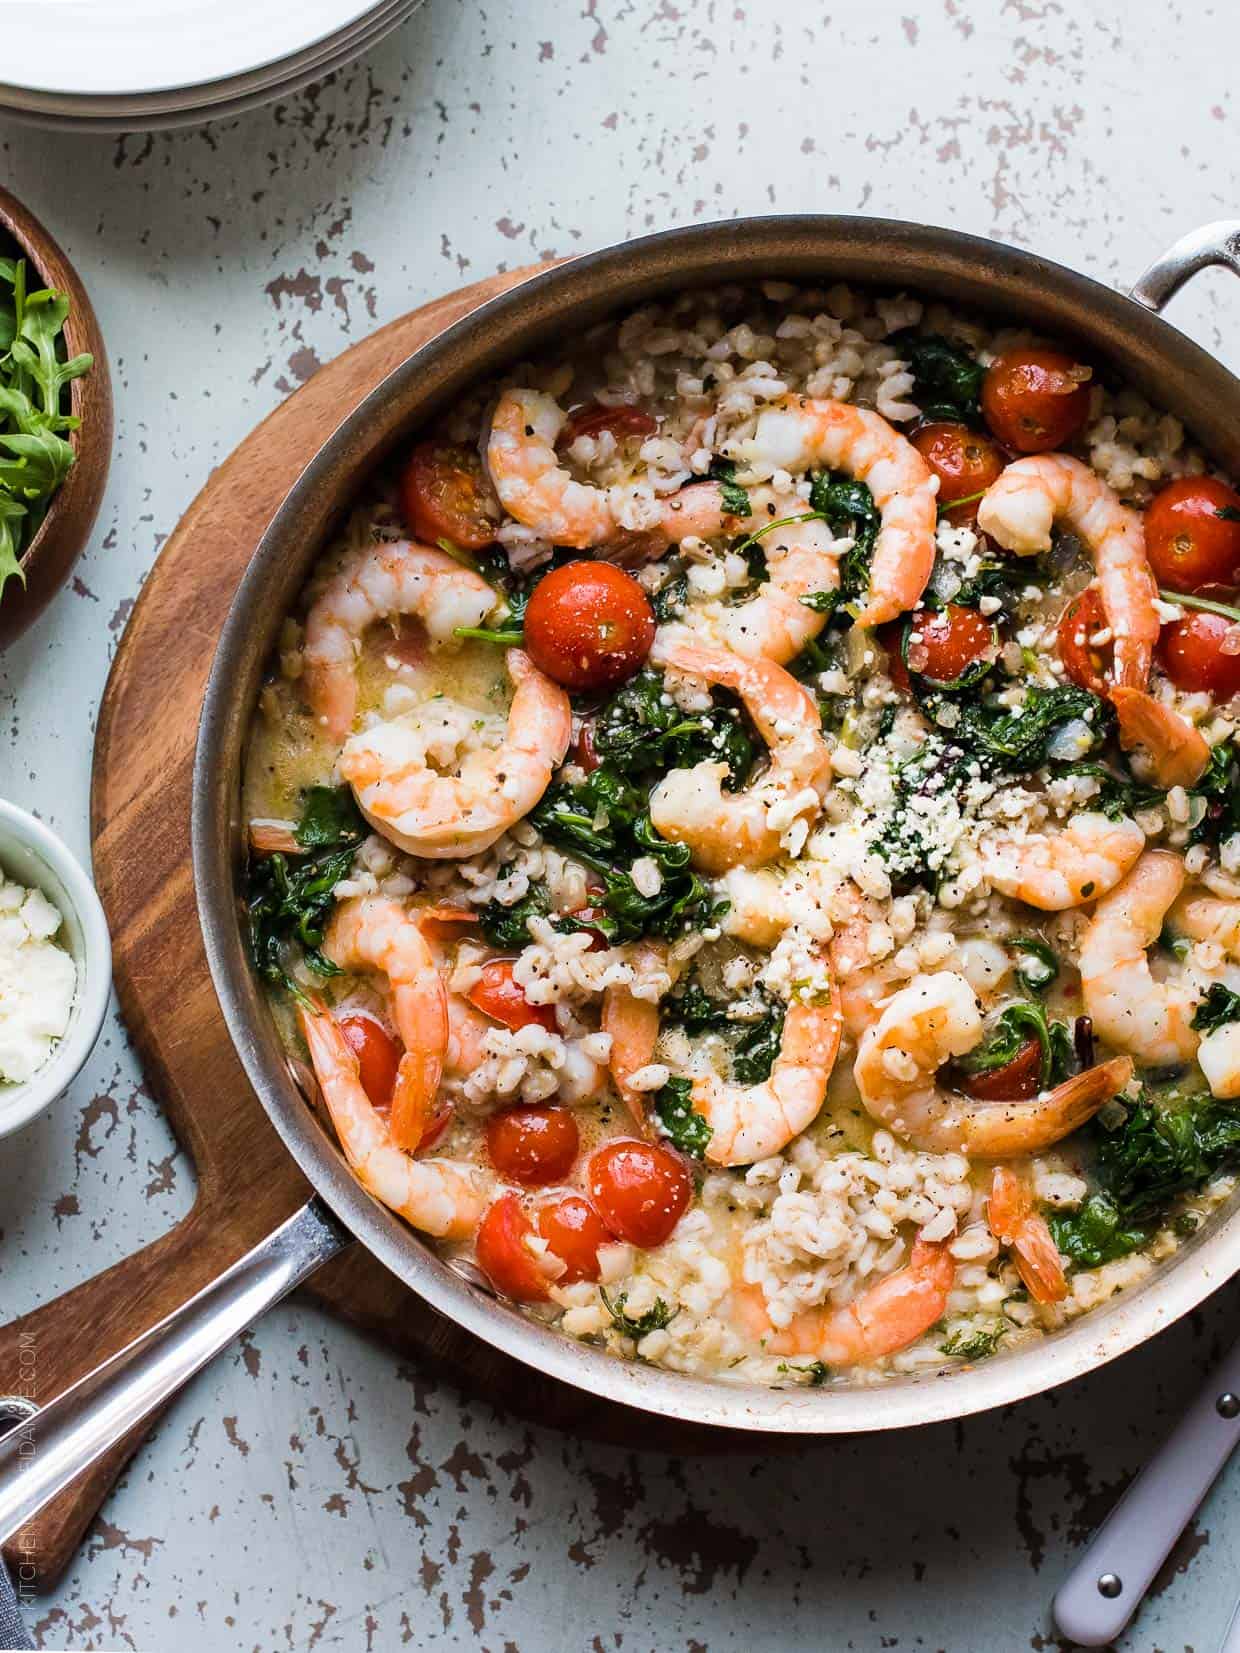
(435, 815)
(884, 1319)
(801, 433)
(926, 1024)
(372, 932)
(729, 829)
(758, 909)
(1150, 1019)
(1015, 1224)
(273, 838)
(440, 1198)
(864, 984)
(751, 1122)
(774, 624)
(467, 1026)
(1063, 867)
(633, 1024)
(1178, 751)
(1032, 494)
(372, 583)
(1208, 918)
(542, 494)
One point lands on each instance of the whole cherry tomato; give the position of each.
(965, 461)
(1035, 399)
(497, 995)
(378, 1055)
(588, 625)
(1192, 534)
(573, 1231)
(1201, 654)
(1085, 664)
(504, 1255)
(532, 1145)
(445, 494)
(594, 419)
(943, 643)
(640, 1189)
(1014, 1081)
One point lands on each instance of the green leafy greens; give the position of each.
(848, 507)
(1163, 1148)
(35, 454)
(289, 900)
(947, 382)
(973, 1342)
(1219, 1007)
(734, 499)
(1011, 1032)
(653, 1320)
(681, 1122)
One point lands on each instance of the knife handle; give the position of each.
(1104, 1589)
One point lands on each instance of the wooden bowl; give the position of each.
(63, 534)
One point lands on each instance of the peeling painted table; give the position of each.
(306, 1491)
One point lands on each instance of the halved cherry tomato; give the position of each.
(1014, 1081)
(965, 461)
(378, 1056)
(1035, 399)
(584, 754)
(1201, 653)
(435, 1130)
(594, 418)
(1083, 618)
(588, 625)
(573, 1231)
(1192, 534)
(503, 1254)
(445, 494)
(584, 915)
(640, 1189)
(533, 1145)
(943, 643)
(498, 996)
(891, 638)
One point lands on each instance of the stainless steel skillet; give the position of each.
(1119, 333)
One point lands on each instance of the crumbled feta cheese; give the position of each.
(37, 982)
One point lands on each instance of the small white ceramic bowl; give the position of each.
(33, 855)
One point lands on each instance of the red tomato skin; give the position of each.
(1082, 619)
(584, 754)
(965, 461)
(584, 915)
(641, 1190)
(1014, 1081)
(589, 625)
(890, 636)
(445, 494)
(497, 995)
(1192, 654)
(594, 418)
(378, 1056)
(533, 1145)
(502, 1255)
(944, 643)
(574, 1231)
(1033, 398)
(1189, 544)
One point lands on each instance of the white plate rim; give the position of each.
(85, 48)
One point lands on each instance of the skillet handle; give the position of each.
(1105, 1587)
(51, 1445)
(1217, 243)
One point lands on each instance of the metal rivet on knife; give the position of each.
(1228, 1405)
(1110, 1585)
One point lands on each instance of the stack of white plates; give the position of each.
(134, 65)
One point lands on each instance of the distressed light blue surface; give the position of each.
(306, 1491)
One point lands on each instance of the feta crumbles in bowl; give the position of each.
(55, 967)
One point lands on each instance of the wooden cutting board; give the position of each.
(140, 809)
